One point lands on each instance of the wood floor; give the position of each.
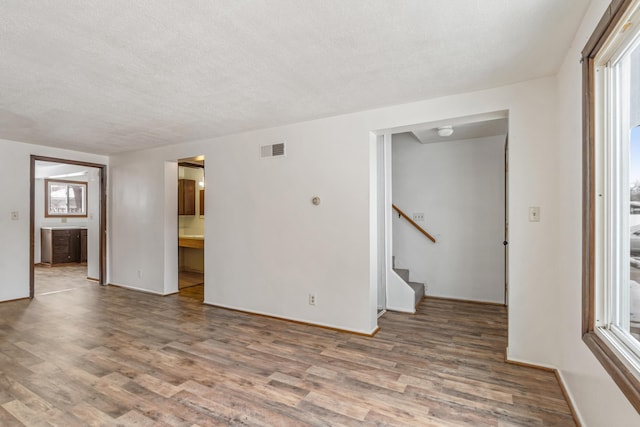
(101, 356)
(188, 278)
(60, 278)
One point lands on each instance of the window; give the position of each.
(65, 198)
(611, 195)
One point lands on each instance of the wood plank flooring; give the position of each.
(188, 278)
(60, 278)
(102, 356)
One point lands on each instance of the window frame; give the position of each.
(48, 214)
(602, 345)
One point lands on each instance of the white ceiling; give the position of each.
(112, 76)
(59, 170)
(470, 130)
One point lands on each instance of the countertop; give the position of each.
(66, 227)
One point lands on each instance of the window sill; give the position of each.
(615, 366)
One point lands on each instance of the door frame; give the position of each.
(103, 215)
(506, 221)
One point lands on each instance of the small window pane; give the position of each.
(76, 199)
(634, 243)
(65, 198)
(58, 199)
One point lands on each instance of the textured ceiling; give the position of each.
(112, 76)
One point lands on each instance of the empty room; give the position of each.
(319, 213)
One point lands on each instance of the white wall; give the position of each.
(138, 217)
(459, 186)
(14, 173)
(598, 399)
(268, 247)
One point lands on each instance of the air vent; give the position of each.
(272, 150)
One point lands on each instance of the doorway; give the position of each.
(67, 224)
(444, 182)
(191, 229)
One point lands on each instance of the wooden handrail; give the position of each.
(412, 222)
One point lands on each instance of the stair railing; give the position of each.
(412, 222)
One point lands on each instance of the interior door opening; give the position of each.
(67, 225)
(191, 228)
(450, 178)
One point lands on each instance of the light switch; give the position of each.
(15, 215)
(418, 216)
(534, 214)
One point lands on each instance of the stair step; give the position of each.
(418, 290)
(403, 273)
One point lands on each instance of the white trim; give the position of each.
(624, 353)
(612, 135)
(292, 319)
(569, 396)
(146, 291)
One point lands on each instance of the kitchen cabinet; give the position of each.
(83, 245)
(63, 245)
(186, 197)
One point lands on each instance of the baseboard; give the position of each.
(132, 288)
(400, 310)
(15, 299)
(499, 304)
(298, 322)
(93, 279)
(530, 365)
(567, 397)
(561, 383)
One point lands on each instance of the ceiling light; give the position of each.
(445, 130)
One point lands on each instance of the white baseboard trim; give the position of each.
(401, 310)
(133, 288)
(567, 394)
(289, 319)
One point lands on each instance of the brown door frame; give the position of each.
(103, 214)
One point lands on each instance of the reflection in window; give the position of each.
(65, 198)
(634, 224)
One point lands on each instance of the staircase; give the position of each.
(418, 288)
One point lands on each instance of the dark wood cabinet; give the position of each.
(60, 246)
(201, 202)
(83, 245)
(186, 197)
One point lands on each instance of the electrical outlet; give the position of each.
(534, 214)
(15, 215)
(418, 216)
(139, 274)
(312, 299)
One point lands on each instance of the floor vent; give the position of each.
(273, 150)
